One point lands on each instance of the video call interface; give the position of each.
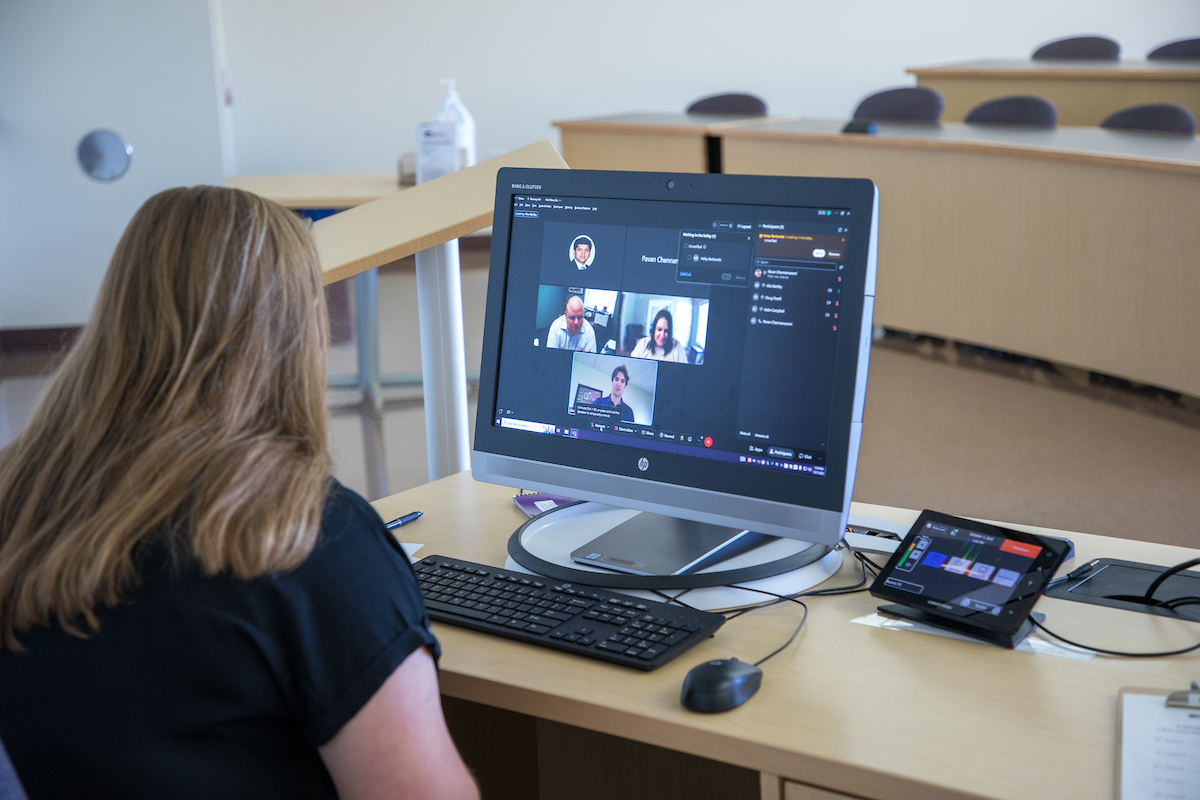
(964, 568)
(697, 328)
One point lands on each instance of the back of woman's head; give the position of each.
(193, 402)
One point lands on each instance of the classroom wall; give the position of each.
(340, 87)
(144, 68)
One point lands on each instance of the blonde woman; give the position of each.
(189, 605)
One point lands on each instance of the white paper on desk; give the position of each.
(410, 550)
(1160, 749)
(1030, 644)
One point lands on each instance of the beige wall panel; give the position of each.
(1079, 101)
(1089, 265)
(654, 152)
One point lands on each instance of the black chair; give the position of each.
(10, 785)
(1183, 50)
(742, 105)
(906, 104)
(1079, 48)
(1018, 109)
(633, 333)
(1158, 117)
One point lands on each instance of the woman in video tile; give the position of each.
(620, 379)
(661, 344)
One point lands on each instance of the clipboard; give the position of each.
(1158, 743)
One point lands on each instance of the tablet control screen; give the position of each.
(961, 568)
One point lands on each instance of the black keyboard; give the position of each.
(593, 622)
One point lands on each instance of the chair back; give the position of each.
(1079, 48)
(1159, 117)
(10, 786)
(1018, 109)
(906, 104)
(1182, 50)
(743, 105)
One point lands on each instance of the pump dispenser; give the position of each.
(454, 111)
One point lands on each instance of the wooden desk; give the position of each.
(1085, 92)
(849, 709)
(317, 191)
(1077, 245)
(647, 142)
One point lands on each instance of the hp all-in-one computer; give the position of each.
(692, 346)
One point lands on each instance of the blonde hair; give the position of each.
(192, 404)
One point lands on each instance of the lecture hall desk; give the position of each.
(1077, 245)
(1085, 92)
(643, 142)
(847, 711)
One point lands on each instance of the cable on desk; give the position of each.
(1123, 654)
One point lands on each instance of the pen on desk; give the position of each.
(400, 522)
(1079, 573)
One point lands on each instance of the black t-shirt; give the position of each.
(207, 687)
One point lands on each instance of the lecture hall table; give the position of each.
(847, 711)
(644, 142)
(1076, 245)
(1085, 92)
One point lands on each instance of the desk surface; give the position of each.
(317, 191)
(1143, 150)
(870, 712)
(1087, 70)
(648, 122)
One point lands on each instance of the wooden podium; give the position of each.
(425, 220)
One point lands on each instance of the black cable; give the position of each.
(1115, 652)
(779, 599)
(1166, 574)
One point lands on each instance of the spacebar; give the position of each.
(458, 611)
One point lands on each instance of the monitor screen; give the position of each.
(693, 345)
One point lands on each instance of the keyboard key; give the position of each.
(652, 652)
(517, 623)
(532, 628)
(469, 613)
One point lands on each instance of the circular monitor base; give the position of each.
(543, 546)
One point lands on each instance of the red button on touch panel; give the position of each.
(708, 441)
(1020, 548)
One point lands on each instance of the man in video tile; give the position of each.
(581, 252)
(571, 331)
(661, 344)
(620, 379)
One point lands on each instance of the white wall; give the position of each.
(339, 87)
(141, 67)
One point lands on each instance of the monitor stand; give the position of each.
(544, 544)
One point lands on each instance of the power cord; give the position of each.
(1121, 653)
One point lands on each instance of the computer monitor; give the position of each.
(721, 376)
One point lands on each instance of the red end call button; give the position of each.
(1020, 548)
(708, 441)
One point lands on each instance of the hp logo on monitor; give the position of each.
(643, 464)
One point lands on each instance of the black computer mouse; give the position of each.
(720, 685)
